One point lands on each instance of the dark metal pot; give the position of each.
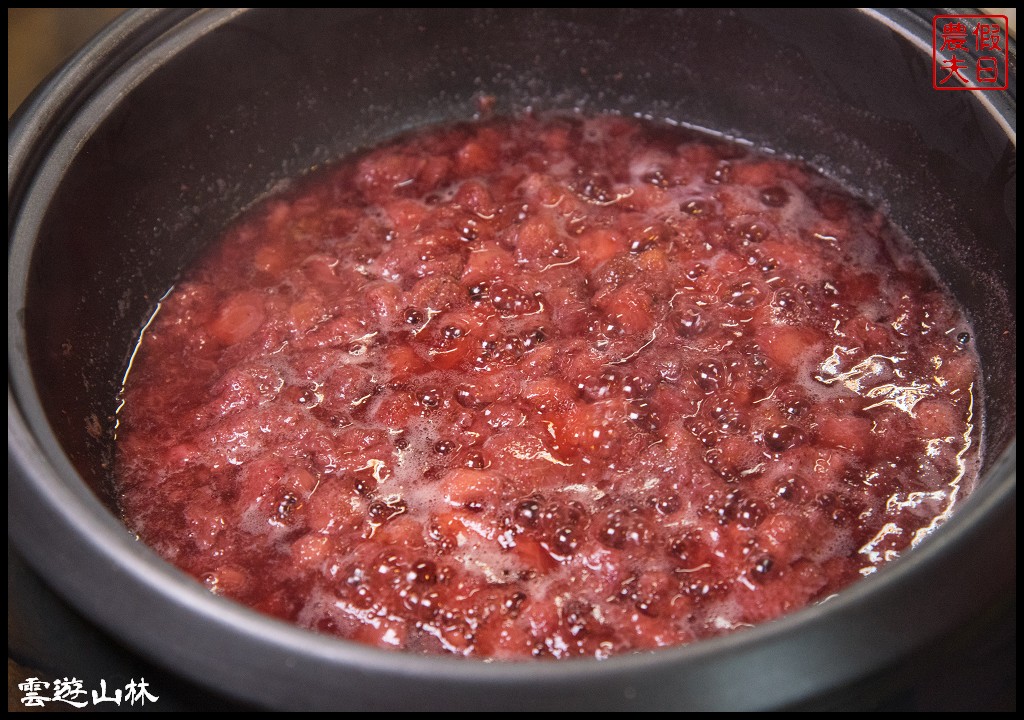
(133, 157)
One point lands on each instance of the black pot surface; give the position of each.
(132, 158)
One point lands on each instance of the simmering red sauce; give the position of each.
(548, 387)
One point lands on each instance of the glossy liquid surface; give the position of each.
(548, 387)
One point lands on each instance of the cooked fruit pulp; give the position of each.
(548, 387)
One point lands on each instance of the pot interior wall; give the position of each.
(236, 103)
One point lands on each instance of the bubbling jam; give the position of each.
(548, 387)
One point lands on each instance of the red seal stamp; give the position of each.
(969, 52)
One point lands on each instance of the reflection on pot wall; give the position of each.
(39, 39)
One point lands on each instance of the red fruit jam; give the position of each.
(548, 387)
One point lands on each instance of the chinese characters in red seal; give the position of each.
(969, 52)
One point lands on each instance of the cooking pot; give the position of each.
(128, 161)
